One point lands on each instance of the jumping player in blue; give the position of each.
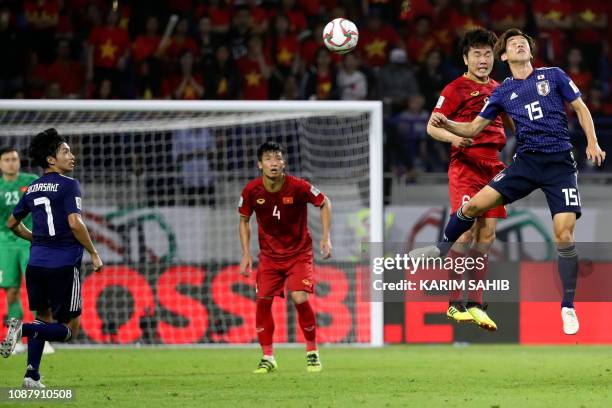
(534, 99)
(58, 237)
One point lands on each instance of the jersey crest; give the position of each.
(543, 87)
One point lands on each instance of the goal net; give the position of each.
(161, 182)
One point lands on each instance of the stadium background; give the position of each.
(272, 50)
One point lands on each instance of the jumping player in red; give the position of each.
(472, 165)
(280, 204)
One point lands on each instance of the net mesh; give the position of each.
(160, 193)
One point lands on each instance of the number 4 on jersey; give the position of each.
(276, 212)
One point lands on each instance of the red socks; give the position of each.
(308, 323)
(264, 324)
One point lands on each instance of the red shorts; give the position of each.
(468, 177)
(272, 274)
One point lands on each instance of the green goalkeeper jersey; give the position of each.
(10, 194)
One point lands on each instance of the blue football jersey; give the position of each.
(536, 104)
(50, 199)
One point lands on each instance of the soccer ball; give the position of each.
(340, 35)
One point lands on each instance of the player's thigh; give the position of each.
(37, 285)
(270, 278)
(483, 201)
(300, 276)
(515, 181)
(10, 269)
(65, 293)
(561, 189)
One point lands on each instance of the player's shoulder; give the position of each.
(253, 185)
(457, 83)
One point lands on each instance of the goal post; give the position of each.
(161, 182)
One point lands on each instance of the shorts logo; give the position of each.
(475, 93)
(287, 200)
(543, 88)
(261, 201)
(499, 176)
(307, 282)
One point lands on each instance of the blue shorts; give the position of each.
(554, 173)
(56, 288)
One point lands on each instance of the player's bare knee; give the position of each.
(564, 237)
(299, 297)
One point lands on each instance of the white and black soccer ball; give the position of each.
(340, 35)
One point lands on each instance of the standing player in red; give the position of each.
(472, 165)
(280, 204)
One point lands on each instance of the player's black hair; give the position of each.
(269, 146)
(7, 149)
(500, 45)
(45, 144)
(477, 37)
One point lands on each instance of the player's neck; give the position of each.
(474, 78)
(54, 169)
(521, 70)
(273, 185)
(9, 177)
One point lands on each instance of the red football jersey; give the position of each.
(462, 100)
(282, 217)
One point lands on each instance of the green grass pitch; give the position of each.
(397, 376)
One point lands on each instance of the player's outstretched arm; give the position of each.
(244, 229)
(443, 135)
(19, 229)
(325, 244)
(463, 129)
(82, 235)
(593, 151)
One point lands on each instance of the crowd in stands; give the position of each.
(272, 49)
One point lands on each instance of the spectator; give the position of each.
(240, 32)
(255, 69)
(376, 40)
(466, 17)
(207, 42)
(431, 78)
(505, 14)
(222, 79)
(352, 83)
(421, 40)
(590, 19)
(552, 18)
(576, 70)
(396, 82)
(320, 80)
(147, 45)
(67, 73)
(14, 48)
(188, 85)
(259, 17)
(291, 90)
(220, 15)
(180, 42)
(42, 19)
(147, 79)
(108, 51)
(297, 20)
(285, 49)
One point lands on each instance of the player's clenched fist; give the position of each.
(595, 154)
(438, 120)
(97, 262)
(326, 248)
(246, 264)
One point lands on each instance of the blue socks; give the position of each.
(568, 272)
(456, 226)
(46, 331)
(35, 351)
